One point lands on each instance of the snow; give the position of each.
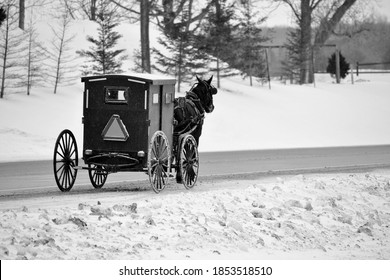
(287, 116)
(245, 118)
(333, 216)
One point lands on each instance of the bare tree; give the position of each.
(59, 52)
(304, 11)
(11, 47)
(35, 55)
(80, 8)
(143, 14)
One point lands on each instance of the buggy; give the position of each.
(128, 127)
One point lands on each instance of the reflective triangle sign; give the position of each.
(115, 130)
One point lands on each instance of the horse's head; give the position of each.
(205, 91)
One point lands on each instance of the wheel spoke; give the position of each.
(158, 161)
(62, 150)
(61, 167)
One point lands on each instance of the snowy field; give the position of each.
(287, 116)
(334, 216)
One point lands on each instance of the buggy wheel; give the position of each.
(65, 160)
(159, 161)
(189, 161)
(97, 175)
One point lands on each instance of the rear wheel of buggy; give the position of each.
(159, 161)
(97, 175)
(189, 161)
(65, 160)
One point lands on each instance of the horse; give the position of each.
(189, 112)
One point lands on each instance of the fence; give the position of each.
(372, 68)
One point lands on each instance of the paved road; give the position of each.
(38, 176)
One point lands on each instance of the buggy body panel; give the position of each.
(120, 115)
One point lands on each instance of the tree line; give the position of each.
(25, 61)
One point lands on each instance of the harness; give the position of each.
(193, 100)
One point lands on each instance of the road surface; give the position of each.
(36, 176)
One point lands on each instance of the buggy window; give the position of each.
(116, 95)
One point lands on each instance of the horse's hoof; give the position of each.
(179, 180)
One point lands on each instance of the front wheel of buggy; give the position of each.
(159, 161)
(97, 175)
(189, 161)
(65, 160)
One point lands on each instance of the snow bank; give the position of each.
(343, 216)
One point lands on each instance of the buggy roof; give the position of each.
(146, 78)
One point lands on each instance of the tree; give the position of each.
(216, 30)
(145, 41)
(291, 66)
(59, 53)
(80, 8)
(103, 55)
(304, 10)
(181, 57)
(3, 15)
(35, 55)
(169, 15)
(12, 47)
(144, 18)
(248, 57)
(344, 65)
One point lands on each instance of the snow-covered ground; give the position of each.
(333, 216)
(245, 117)
(287, 116)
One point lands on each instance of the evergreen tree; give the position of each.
(216, 37)
(3, 15)
(291, 66)
(344, 66)
(103, 55)
(180, 56)
(248, 54)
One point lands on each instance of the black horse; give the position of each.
(189, 112)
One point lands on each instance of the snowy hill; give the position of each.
(245, 117)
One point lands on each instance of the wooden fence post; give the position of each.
(337, 66)
(352, 68)
(268, 75)
(313, 66)
(357, 68)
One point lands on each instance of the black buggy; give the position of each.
(128, 126)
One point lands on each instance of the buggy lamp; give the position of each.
(141, 154)
(88, 152)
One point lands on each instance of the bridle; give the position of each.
(210, 88)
